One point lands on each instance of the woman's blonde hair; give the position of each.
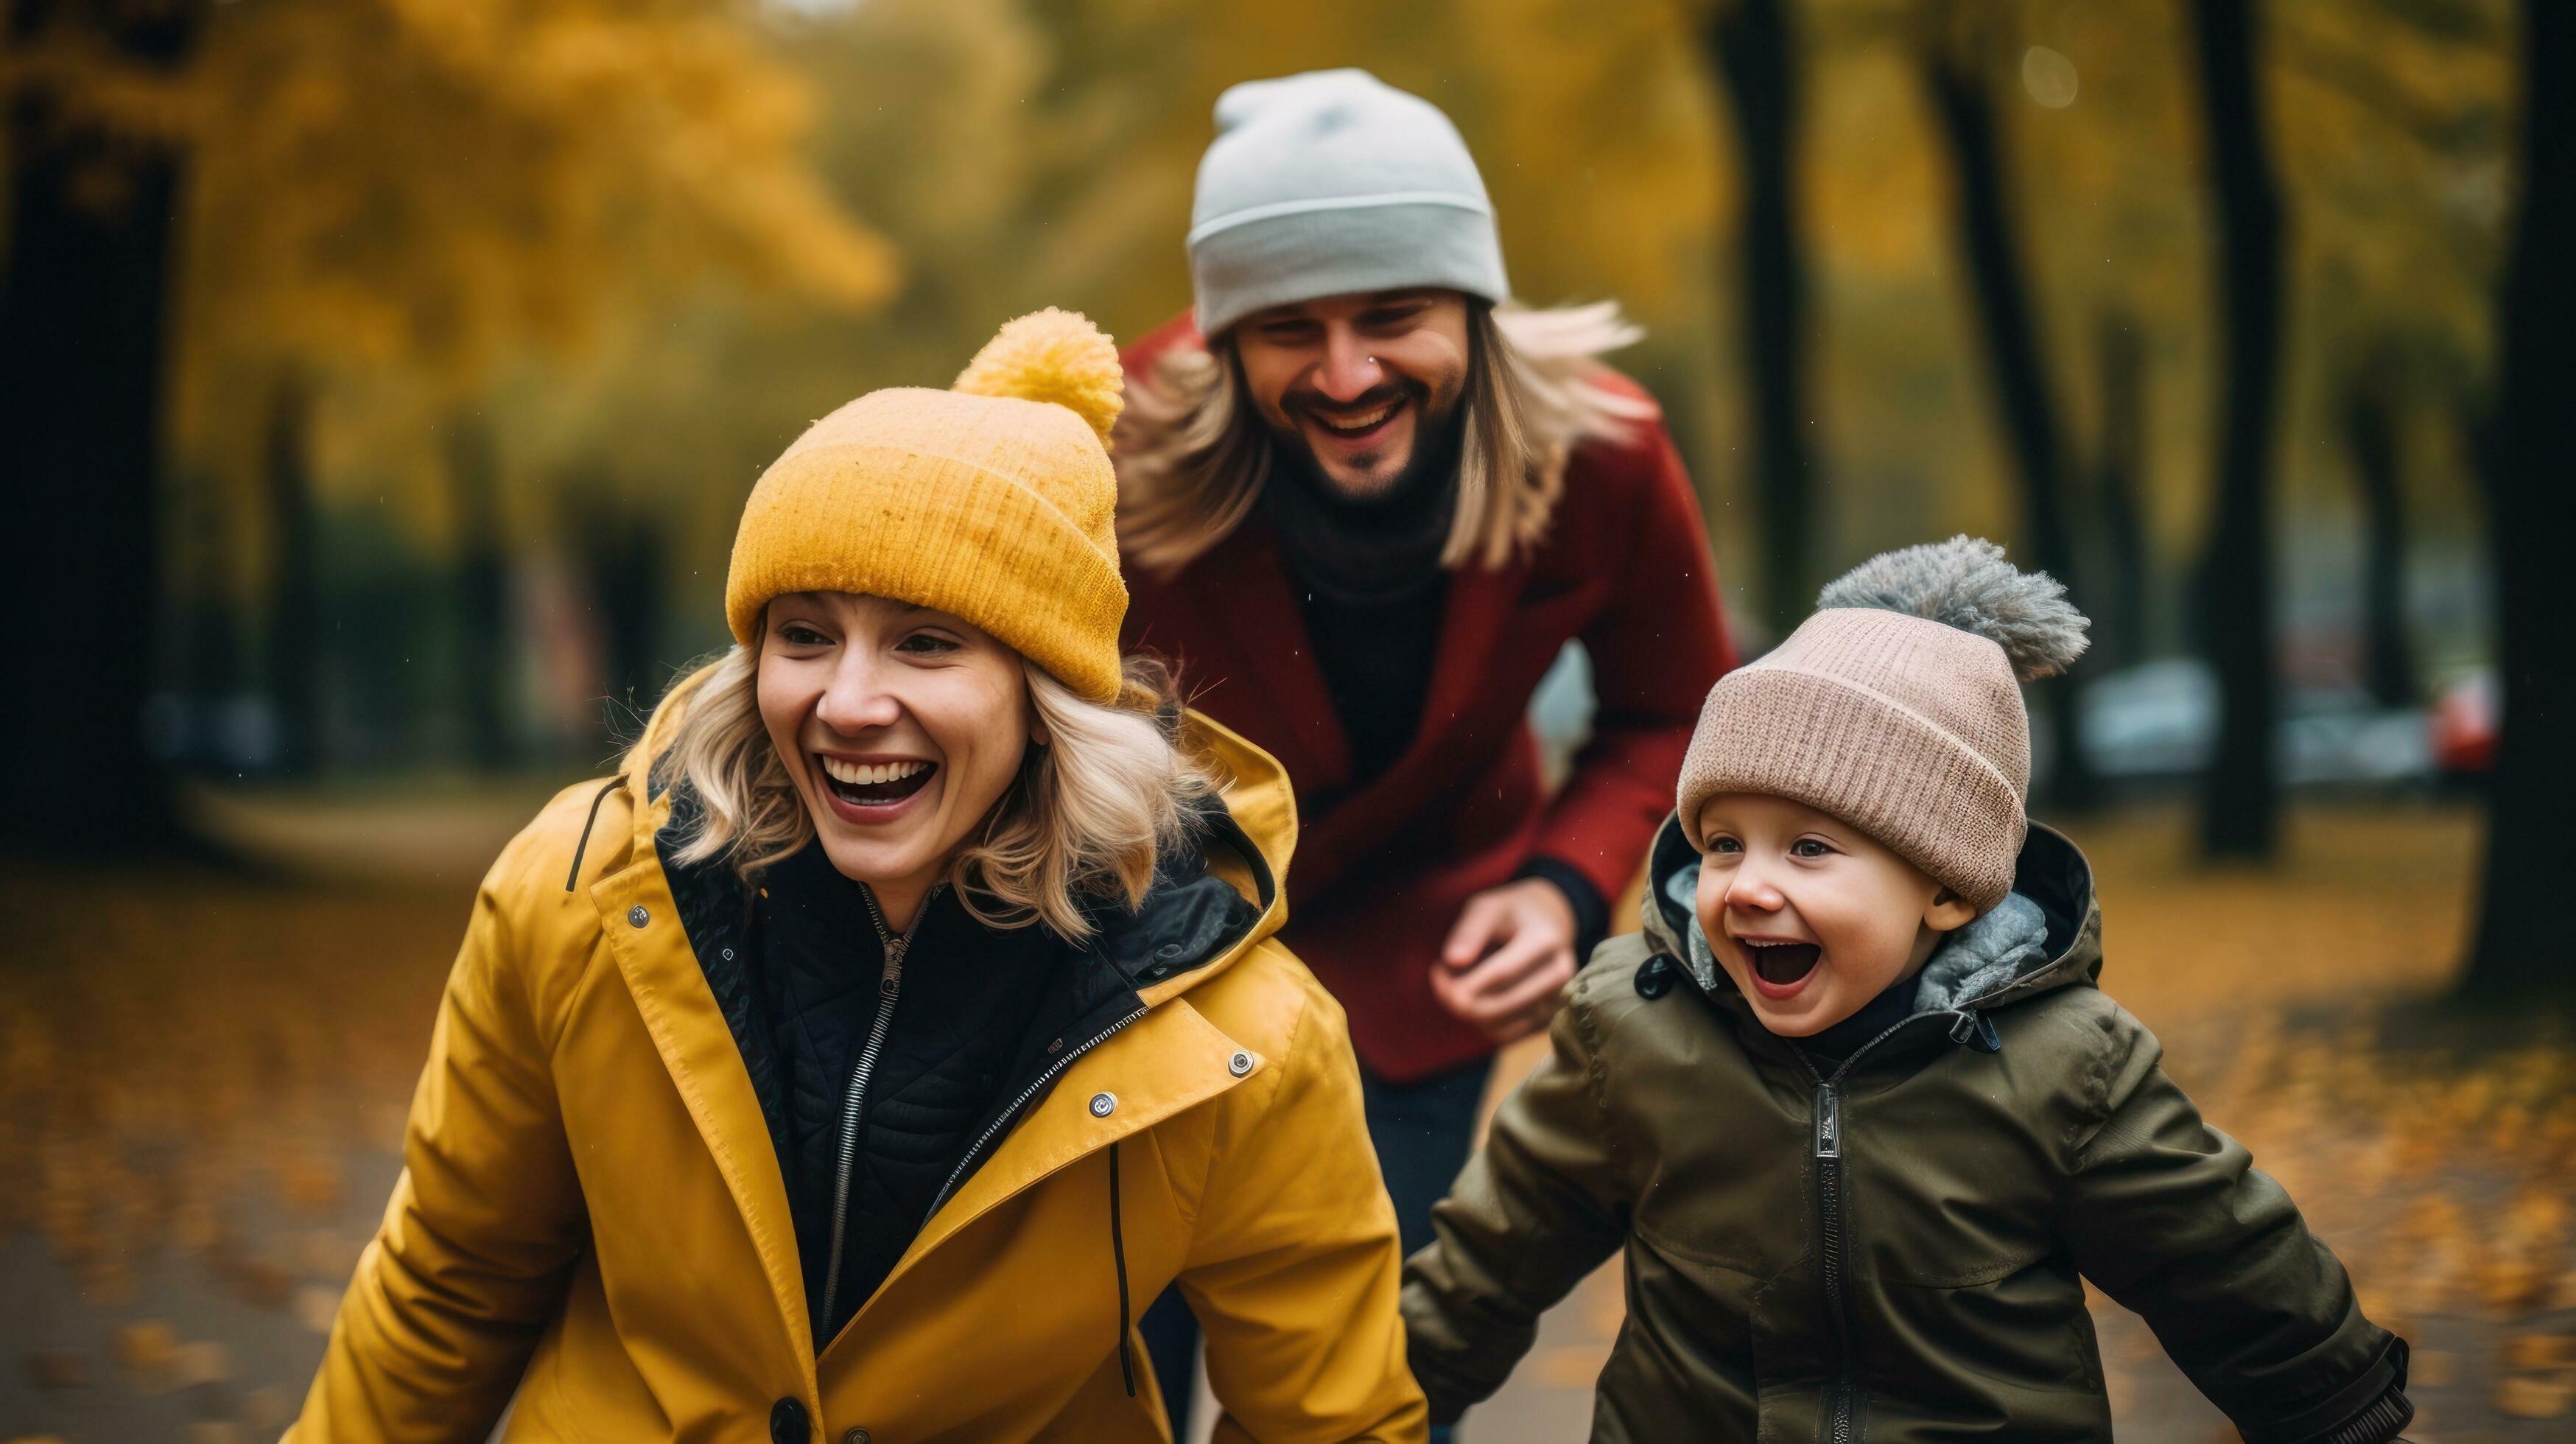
(1085, 819)
(1193, 451)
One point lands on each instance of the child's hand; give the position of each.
(1510, 954)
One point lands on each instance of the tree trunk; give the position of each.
(626, 564)
(2521, 950)
(482, 593)
(2370, 435)
(2121, 630)
(1749, 43)
(2241, 801)
(2025, 411)
(295, 592)
(83, 310)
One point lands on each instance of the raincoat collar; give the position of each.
(1143, 1047)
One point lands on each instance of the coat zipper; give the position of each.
(1829, 1171)
(1829, 1190)
(1003, 1119)
(889, 988)
(1829, 1201)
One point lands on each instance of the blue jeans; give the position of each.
(1423, 1132)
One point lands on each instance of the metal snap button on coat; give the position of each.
(787, 1421)
(857, 1436)
(637, 916)
(1103, 1104)
(1239, 1064)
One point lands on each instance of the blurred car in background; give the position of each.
(2160, 720)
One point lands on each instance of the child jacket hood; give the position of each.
(1892, 1247)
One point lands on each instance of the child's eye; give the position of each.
(1808, 847)
(1726, 845)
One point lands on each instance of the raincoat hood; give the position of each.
(2045, 935)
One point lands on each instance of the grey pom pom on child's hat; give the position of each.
(1897, 708)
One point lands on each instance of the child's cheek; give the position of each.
(1709, 902)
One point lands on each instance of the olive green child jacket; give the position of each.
(1893, 1248)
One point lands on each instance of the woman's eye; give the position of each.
(797, 634)
(924, 644)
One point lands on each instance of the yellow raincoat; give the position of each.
(592, 1215)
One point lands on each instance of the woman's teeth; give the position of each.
(1358, 424)
(863, 774)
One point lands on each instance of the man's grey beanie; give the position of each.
(1330, 183)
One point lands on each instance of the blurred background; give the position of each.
(380, 381)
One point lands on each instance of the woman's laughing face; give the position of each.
(901, 726)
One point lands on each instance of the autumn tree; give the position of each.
(2241, 793)
(2521, 945)
(95, 103)
(1754, 52)
(388, 186)
(1959, 51)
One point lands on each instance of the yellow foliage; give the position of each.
(423, 186)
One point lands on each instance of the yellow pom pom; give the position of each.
(1056, 356)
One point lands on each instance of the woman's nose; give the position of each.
(857, 698)
(1347, 372)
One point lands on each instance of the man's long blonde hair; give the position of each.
(1193, 452)
(1083, 822)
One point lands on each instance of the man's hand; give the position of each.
(1510, 954)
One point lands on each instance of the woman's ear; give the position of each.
(1948, 912)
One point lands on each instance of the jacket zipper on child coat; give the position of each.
(889, 988)
(1841, 1391)
(1829, 1203)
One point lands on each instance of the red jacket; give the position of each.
(1379, 879)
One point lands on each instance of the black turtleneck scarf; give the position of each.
(1371, 587)
(1370, 584)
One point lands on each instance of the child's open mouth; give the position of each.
(1780, 963)
(879, 784)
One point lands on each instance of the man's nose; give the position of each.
(1347, 372)
(857, 697)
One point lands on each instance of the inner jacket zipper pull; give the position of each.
(1829, 1123)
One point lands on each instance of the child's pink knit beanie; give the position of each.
(1896, 708)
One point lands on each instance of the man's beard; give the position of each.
(1432, 466)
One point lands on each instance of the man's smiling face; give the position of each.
(1358, 380)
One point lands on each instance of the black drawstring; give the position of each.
(1118, 1250)
(605, 788)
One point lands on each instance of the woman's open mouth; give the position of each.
(1780, 967)
(871, 786)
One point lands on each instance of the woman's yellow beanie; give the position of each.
(993, 501)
